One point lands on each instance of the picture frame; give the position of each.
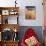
(5, 12)
(13, 12)
(30, 12)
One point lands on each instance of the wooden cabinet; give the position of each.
(9, 23)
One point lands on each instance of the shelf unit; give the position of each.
(6, 24)
(5, 12)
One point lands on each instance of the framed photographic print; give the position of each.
(30, 12)
(5, 12)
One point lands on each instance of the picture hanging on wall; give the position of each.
(30, 12)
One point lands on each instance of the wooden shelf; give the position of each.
(9, 8)
(13, 27)
(9, 43)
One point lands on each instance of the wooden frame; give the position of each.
(5, 12)
(30, 12)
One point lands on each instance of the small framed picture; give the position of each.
(13, 12)
(5, 12)
(30, 12)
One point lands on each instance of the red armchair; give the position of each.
(28, 35)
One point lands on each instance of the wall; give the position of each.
(39, 13)
(7, 3)
(38, 30)
(22, 4)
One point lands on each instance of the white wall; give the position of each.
(22, 4)
(7, 3)
(39, 13)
